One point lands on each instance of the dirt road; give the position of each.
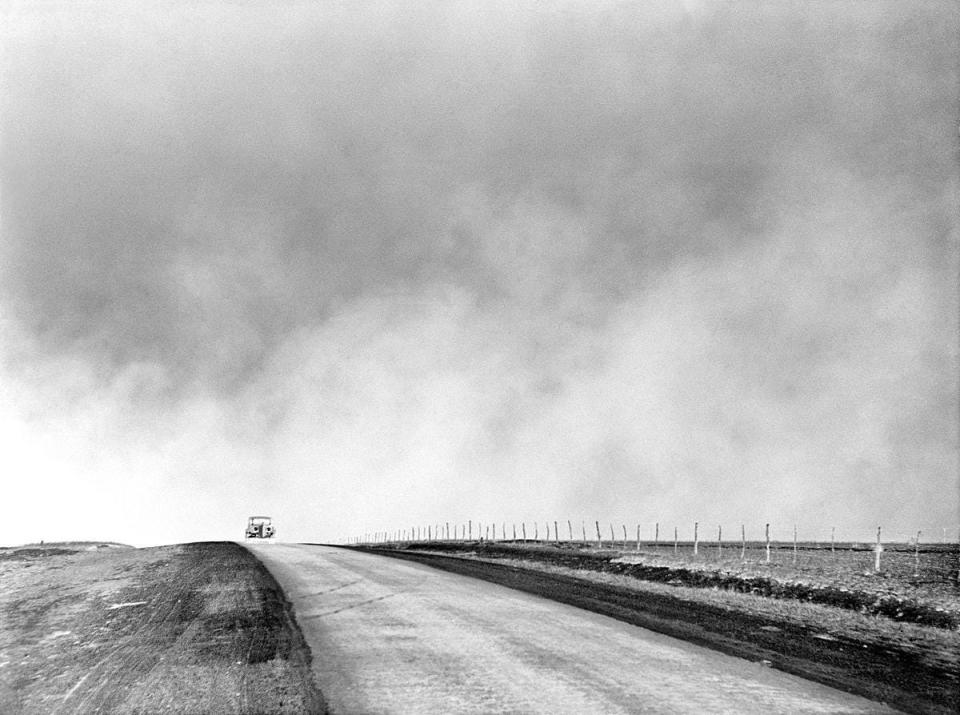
(395, 636)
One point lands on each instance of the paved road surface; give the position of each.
(395, 636)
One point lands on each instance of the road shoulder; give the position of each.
(189, 628)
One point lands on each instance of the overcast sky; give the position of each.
(368, 266)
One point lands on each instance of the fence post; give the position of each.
(656, 536)
(696, 537)
(613, 536)
(794, 544)
(877, 549)
(570, 529)
(624, 537)
(470, 529)
(743, 541)
(556, 533)
(536, 532)
(675, 541)
(599, 539)
(767, 534)
(720, 542)
(833, 535)
(514, 532)
(583, 529)
(638, 537)
(523, 525)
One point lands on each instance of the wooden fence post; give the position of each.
(767, 533)
(583, 528)
(536, 532)
(470, 529)
(599, 539)
(877, 549)
(523, 525)
(624, 537)
(638, 537)
(833, 534)
(720, 542)
(514, 532)
(696, 537)
(743, 541)
(794, 544)
(570, 530)
(556, 533)
(656, 536)
(676, 541)
(613, 536)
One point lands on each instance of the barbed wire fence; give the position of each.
(932, 556)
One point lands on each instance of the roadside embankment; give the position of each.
(189, 628)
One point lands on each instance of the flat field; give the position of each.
(919, 586)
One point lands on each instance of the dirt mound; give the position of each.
(190, 628)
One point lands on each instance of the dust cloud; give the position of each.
(372, 266)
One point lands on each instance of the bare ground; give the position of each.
(188, 628)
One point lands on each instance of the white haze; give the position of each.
(368, 269)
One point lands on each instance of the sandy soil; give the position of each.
(188, 628)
